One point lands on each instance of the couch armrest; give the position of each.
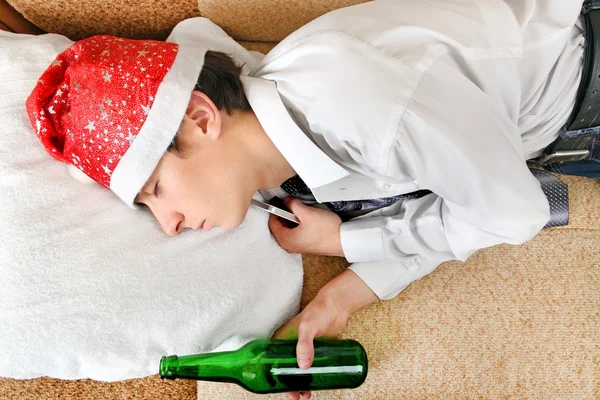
(12, 21)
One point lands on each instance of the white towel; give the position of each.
(92, 289)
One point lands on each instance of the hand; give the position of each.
(321, 317)
(318, 232)
(326, 316)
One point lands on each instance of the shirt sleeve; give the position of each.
(462, 145)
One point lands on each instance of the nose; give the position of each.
(171, 223)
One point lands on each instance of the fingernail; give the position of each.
(303, 362)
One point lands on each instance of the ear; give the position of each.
(205, 114)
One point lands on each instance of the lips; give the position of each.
(205, 226)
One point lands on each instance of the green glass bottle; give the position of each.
(270, 366)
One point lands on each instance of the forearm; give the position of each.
(348, 293)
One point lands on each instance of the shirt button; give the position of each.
(387, 186)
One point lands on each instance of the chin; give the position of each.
(233, 223)
(235, 219)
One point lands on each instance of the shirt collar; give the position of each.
(308, 160)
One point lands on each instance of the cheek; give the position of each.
(199, 196)
(211, 190)
(239, 201)
(191, 194)
(222, 201)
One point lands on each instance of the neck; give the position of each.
(216, 367)
(272, 169)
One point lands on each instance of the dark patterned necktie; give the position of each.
(557, 193)
(555, 190)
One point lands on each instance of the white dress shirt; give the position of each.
(389, 97)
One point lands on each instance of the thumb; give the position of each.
(305, 350)
(294, 205)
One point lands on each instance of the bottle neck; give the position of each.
(206, 367)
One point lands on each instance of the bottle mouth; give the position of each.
(168, 366)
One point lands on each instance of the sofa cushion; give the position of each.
(259, 20)
(254, 20)
(12, 21)
(83, 18)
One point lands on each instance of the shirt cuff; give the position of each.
(387, 278)
(362, 240)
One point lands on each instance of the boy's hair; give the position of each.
(220, 81)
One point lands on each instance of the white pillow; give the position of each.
(92, 289)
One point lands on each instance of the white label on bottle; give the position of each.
(356, 369)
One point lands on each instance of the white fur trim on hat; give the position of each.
(159, 129)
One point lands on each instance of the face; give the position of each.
(209, 184)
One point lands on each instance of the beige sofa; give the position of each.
(512, 322)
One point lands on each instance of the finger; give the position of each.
(283, 235)
(293, 395)
(305, 395)
(278, 228)
(285, 332)
(278, 333)
(305, 350)
(275, 223)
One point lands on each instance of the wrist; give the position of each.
(348, 293)
(334, 243)
(335, 247)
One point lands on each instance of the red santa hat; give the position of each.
(111, 107)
